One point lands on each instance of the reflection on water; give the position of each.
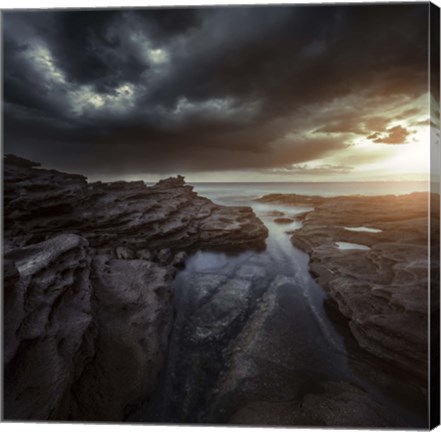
(363, 229)
(351, 246)
(207, 261)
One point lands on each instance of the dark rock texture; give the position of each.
(333, 404)
(383, 291)
(87, 297)
(40, 203)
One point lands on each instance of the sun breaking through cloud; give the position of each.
(260, 93)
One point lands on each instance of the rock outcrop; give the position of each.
(40, 203)
(87, 297)
(383, 290)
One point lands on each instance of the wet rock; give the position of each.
(264, 362)
(251, 272)
(210, 311)
(383, 291)
(283, 220)
(213, 320)
(200, 287)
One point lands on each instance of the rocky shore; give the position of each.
(240, 356)
(87, 286)
(99, 325)
(370, 254)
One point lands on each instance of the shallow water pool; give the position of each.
(363, 229)
(347, 246)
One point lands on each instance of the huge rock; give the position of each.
(87, 286)
(85, 337)
(40, 203)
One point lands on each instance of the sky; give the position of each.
(275, 93)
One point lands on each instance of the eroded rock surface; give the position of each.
(383, 291)
(331, 404)
(87, 276)
(40, 203)
(239, 355)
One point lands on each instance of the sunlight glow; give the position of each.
(44, 64)
(84, 98)
(157, 56)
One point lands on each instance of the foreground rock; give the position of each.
(333, 404)
(87, 298)
(382, 290)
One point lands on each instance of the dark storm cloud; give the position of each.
(363, 123)
(22, 91)
(202, 89)
(165, 24)
(346, 124)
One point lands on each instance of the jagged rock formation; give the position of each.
(41, 203)
(87, 298)
(383, 291)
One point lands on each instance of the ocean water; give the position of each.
(230, 191)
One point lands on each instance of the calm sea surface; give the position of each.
(255, 190)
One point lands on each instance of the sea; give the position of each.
(328, 189)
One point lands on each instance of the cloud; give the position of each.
(306, 169)
(395, 135)
(350, 124)
(157, 90)
(359, 123)
(377, 123)
(409, 113)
